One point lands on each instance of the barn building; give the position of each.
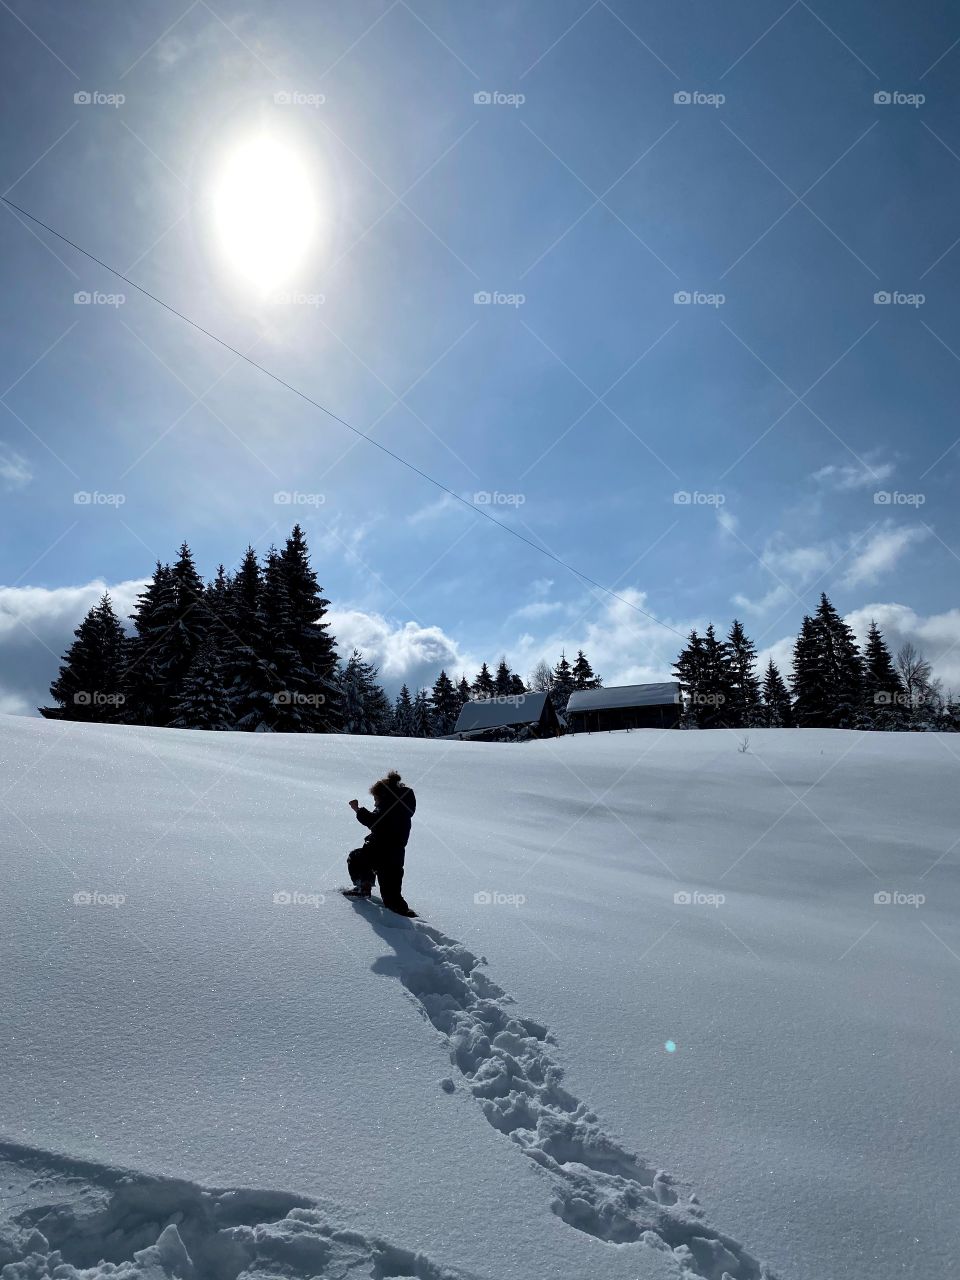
(492, 719)
(625, 706)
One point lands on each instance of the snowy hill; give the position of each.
(651, 966)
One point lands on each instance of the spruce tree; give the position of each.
(716, 682)
(884, 699)
(364, 704)
(502, 681)
(154, 652)
(809, 680)
(309, 634)
(203, 701)
(464, 694)
(246, 660)
(743, 710)
(446, 705)
(297, 698)
(843, 668)
(583, 674)
(517, 686)
(483, 686)
(777, 707)
(688, 670)
(562, 686)
(403, 725)
(422, 715)
(91, 684)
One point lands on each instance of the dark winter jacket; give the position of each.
(389, 822)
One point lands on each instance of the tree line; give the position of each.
(253, 651)
(833, 685)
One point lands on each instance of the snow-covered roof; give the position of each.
(624, 695)
(495, 713)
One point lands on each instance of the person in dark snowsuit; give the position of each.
(381, 855)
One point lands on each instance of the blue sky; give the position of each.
(783, 398)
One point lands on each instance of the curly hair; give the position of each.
(385, 788)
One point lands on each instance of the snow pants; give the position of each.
(366, 864)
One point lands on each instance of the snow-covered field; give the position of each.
(307, 1087)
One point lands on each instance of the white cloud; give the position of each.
(15, 471)
(36, 626)
(623, 645)
(854, 476)
(881, 553)
(406, 652)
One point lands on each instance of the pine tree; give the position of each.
(743, 710)
(154, 651)
(809, 680)
(216, 603)
(296, 696)
(464, 694)
(364, 704)
(192, 619)
(561, 687)
(203, 701)
(246, 659)
(517, 686)
(422, 715)
(688, 670)
(502, 681)
(483, 686)
(884, 699)
(309, 635)
(92, 680)
(716, 682)
(446, 705)
(583, 673)
(843, 668)
(403, 725)
(777, 707)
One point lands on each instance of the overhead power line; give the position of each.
(404, 462)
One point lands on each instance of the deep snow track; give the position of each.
(506, 1063)
(75, 1220)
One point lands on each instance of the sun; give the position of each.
(265, 211)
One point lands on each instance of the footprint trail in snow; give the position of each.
(507, 1064)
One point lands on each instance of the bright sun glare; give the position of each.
(264, 211)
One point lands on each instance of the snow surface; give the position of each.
(198, 1080)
